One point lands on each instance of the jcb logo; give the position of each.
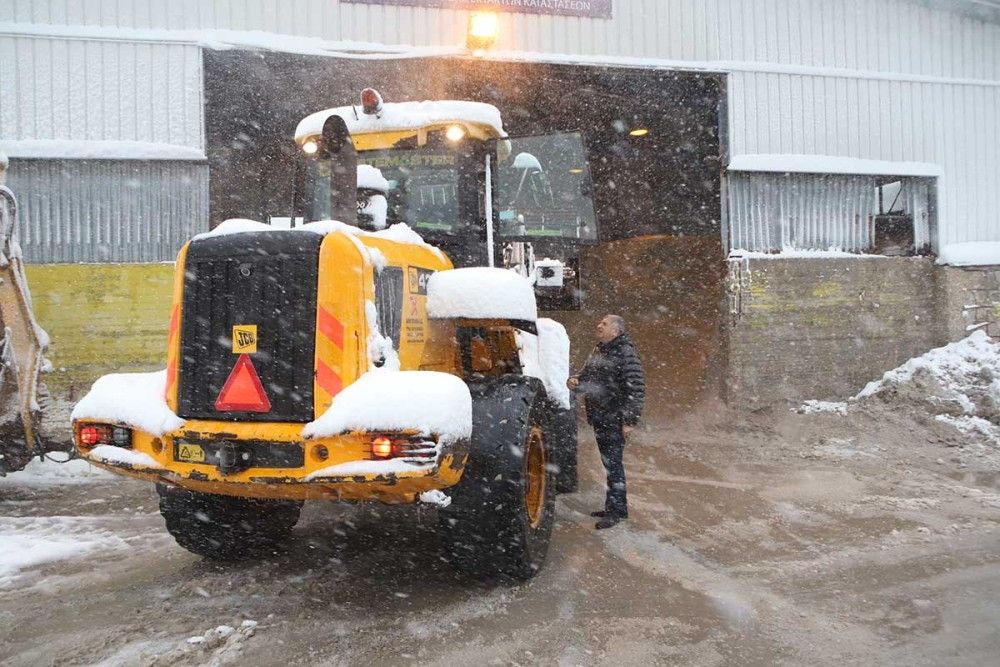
(244, 338)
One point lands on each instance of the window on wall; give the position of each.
(774, 212)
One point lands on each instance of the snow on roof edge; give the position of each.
(830, 164)
(75, 149)
(972, 253)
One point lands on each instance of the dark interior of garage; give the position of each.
(654, 144)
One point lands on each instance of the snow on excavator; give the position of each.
(22, 345)
(346, 358)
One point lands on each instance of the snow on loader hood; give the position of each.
(135, 399)
(384, 400)
(480, 293)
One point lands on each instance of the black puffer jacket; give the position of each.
(613, 383)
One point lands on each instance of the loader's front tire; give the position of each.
(224, 527)
(500, 520)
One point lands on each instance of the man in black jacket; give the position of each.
(614, 387)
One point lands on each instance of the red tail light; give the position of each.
(91, 435)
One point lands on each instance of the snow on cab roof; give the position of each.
(404, 116)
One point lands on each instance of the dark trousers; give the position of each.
(611, 444)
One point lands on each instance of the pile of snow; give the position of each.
(133, 399)
(425, 401)
(480, 293)
(966, 372)
(404, 116)
(546, 357)
(959, 384)
(979, 253)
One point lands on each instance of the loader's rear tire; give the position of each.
(564, 434)
(500, 520)
(226, 528)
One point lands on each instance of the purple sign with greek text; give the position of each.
(589, 8)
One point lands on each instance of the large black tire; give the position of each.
(500, 520)
(223, 527)
(564, 435)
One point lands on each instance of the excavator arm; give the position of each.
(22, 345)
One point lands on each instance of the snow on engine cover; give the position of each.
(481, 293)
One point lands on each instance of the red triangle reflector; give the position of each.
(243, 390)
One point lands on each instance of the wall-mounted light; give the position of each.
(638, 132)
(483, 30)
(310, 147)
(455, 133)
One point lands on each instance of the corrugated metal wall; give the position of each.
(95, 90)
(106, 210)
(769, 212)
(953, 125)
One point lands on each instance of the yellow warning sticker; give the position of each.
(190, 453)
(244, 338)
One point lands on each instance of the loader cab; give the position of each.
(454, 176)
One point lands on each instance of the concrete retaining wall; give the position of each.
(823, 328)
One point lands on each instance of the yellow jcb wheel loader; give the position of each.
(314, 363)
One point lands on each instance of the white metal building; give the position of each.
(902, 87)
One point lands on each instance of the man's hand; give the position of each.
(573, 382)
(627, 430)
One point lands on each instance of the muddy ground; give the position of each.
(770, 538)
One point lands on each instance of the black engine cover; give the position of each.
(262, 279)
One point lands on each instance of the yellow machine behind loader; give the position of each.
(22, 345)
(331, 361)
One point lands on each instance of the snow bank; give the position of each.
(546, 357)
(384, 400)
(353, 468)
(80, 149)
(830, 164)
(480, 293)
(404, 116)
(135, 399)
(978, 253)
(957, 367)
